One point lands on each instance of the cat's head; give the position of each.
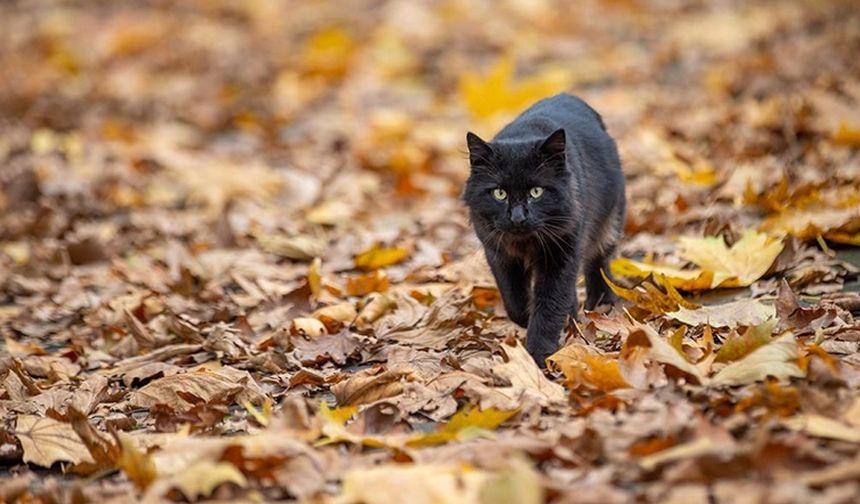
(519, 189)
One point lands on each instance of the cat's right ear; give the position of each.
(480, 152)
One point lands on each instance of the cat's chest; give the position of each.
(528, 250)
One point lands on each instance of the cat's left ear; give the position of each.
(554, 144)
(480, 151)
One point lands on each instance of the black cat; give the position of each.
(545, 195)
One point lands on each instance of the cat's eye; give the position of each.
(536, 192)
(500, 194)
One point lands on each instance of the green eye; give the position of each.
(536, 192)
(499, 194)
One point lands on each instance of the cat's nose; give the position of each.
(518, 215)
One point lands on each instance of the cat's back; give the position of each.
(547, 115)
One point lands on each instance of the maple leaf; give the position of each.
(485, 96)
(718, 265)
(46, 441)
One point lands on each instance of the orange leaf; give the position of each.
(361, 285)
(485, 297)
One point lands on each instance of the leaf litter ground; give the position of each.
(233, 263)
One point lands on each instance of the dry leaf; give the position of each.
(776, 359)
(466, 424)
(743, 312)
(307, 326)
(379, 257)
(584, 365)
(525, 377)
(660, 350)
(821, 426)
(205, 385)
(46, 441)
(651, 297)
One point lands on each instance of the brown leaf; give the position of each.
(46, 441)
(203, 384)
(370, 387)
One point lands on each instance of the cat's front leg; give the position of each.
(553, 299)
(512, 279)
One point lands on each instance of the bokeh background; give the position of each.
(295, 118)
(183, 183)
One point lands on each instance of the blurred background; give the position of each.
(318, 129)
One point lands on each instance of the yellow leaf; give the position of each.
(328, 53)
(846, 135)
(718, 265)
(45, 441)
(653, 299)
(584, 365)
(379, 257)
(684, 279)
(496, 92)
(776, 359)
(137, 465)
(468, 423)
(741, 346)
(737, 266)
(334, 428)
(315, 278)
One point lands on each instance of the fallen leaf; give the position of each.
(199, 479)
(824, 427)
(739, 346)
(361, 285)
(307, 326)
(743, 312)
(776, 359)
(737, 266)
(440, 484)
(525, 376)
(660, 350)
(379, 257)
(466, 424)
(584, 365)
(137, 465)
(366, 388)
(299, 247)
(657, 297)
(696, 448)
(673, 276)
(46, 441)
(205, 385)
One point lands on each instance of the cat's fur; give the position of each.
(561, 145)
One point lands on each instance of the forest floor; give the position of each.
(234, 263)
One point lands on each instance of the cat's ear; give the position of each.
(554, 144)
(480, 151)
